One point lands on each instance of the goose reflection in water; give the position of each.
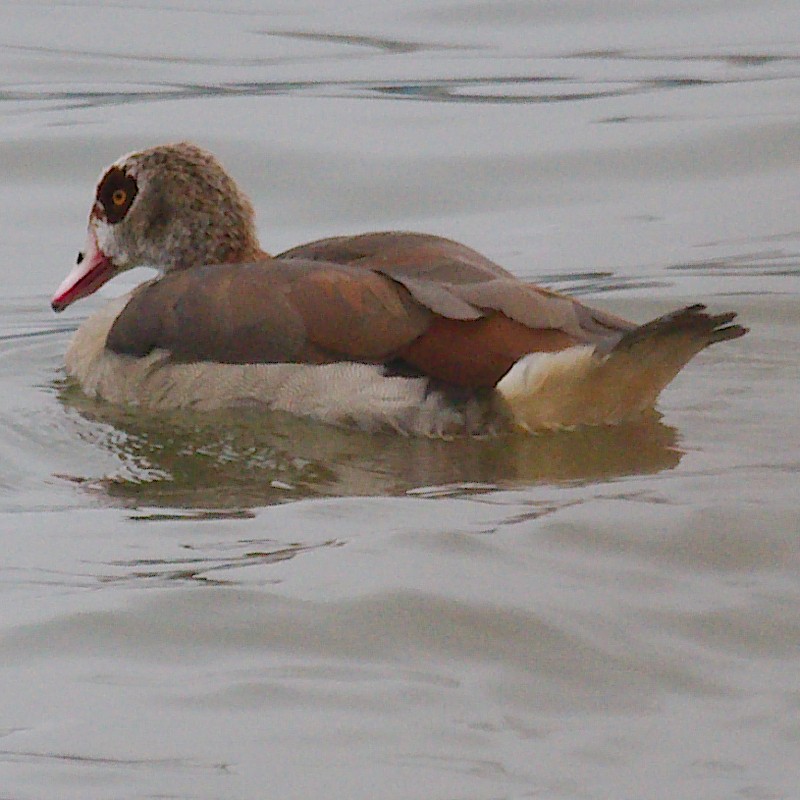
(242, 459)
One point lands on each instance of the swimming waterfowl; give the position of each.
(407, 331)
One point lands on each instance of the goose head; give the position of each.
(170, 207)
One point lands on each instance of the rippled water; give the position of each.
(217, 607)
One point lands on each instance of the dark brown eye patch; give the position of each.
(115, 194)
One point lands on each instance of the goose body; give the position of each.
(400, 330)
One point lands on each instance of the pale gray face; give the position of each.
(169, 207)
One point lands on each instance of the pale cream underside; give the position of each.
(541, 391)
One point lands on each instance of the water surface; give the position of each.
(208, 606)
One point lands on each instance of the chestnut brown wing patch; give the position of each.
(477, 353)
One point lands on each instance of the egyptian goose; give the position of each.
(397, 330)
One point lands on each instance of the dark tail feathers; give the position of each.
(692, 321)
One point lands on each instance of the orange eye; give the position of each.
(115, 195)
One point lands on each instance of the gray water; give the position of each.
(254, 607)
